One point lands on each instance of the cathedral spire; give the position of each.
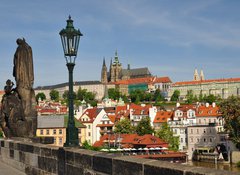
(104, 72)
(116, 61)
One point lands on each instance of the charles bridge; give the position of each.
(38, 159)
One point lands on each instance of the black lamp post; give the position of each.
(70, 38)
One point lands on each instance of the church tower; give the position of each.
(196, 76)
(202, 75)
(115, 69)
(104, 79)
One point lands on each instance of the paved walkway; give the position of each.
(8, 170)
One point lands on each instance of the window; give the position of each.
(89, 126)
(41, 132)
(181, 140)
(47, 132)
(198, 140)
(60, 131)
(204, 139)
(191, 139)
(199, 121)
(191, 131)
(60, 141)
(54, 140)
(89, 134)
(54, 131)
(210, 139)
(197, 131)
(204, 130)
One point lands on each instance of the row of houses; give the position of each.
(198, 126)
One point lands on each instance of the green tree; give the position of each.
(189, 97)
(211, 98)
(230, 109)
(166, 134)
(137, 95)
(124, 127)
(157, 96)
(144, 127)
(89, 97)
(41, 96)
(175, 95)
(54, 95)
(114, 93)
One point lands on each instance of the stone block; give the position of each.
(61, 161)
(83, 159)
(26, 148)
(47, 164)
(16, 155)
(5, 152)
(11, 153)
(102, 162)
(73, 170)
(128, 165)
(69, 157)
(46, 152)
(22, 156)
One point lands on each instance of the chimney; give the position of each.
(213, 104)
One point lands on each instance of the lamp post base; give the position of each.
(71, 137)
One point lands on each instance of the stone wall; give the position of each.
(39, 159)
(235, 156)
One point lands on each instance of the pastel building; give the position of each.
(91, 118)
(55, 126)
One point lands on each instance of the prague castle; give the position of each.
(116, 72)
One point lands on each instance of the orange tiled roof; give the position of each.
(145, 80)
(112, 118)
(206, 81)
(133, 140)
(162, 116)
(91, 113)
(209, 111)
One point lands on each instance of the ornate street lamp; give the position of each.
(70, 38)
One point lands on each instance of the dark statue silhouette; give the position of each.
(18, 115)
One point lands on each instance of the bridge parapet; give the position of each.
(38, 159)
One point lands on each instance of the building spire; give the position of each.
(104, 79)
(196, 75)
(116, 61)
(202, 75)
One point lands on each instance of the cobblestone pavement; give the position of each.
(8, 170)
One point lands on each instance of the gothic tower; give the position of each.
(104, 79)
(196, 76)
(115, 69)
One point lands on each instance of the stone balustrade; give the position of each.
(38, 159)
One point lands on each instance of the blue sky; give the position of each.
(171, 38)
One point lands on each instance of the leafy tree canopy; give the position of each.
(230, 109)
(166, 134)
(175, 95)
(144, 127)
(124, 127)
(54, 95)
(41, 96)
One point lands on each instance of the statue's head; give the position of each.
(20, 41)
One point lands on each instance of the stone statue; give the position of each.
(12, 118)
(18, 113)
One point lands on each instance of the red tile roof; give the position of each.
(145, 80)
(133, 140)
(209, 111)
(91, 113)
(206, 81)
(163, 116)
